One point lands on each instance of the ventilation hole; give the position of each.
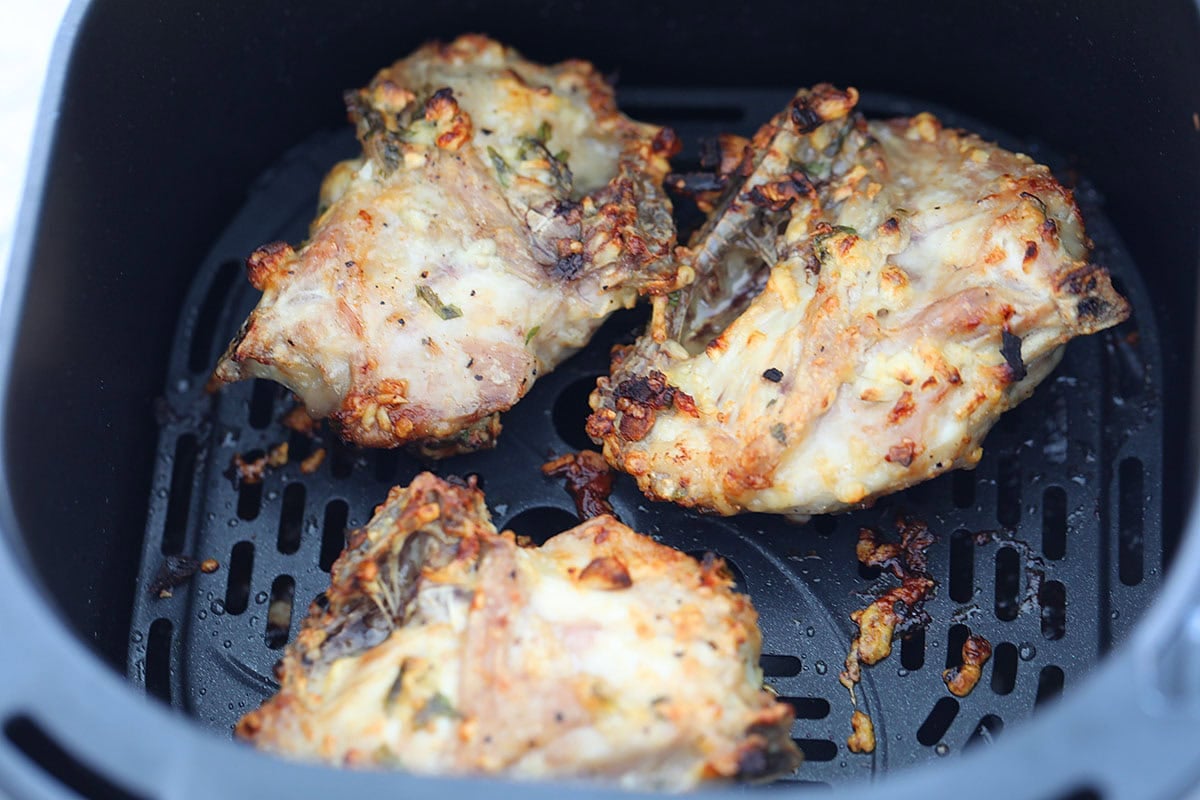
(955, 639)
(739, 578)
(571, 411)
(664, 114)
(241, 566)
(158, 660)
(341, 459)
(1050, 684)
(291, 518)
(869, 573)
(808, 707)
(1004, 668)
(817, 749)
(774, 666)
(986, 731)
(912, 649)
(250, 494)
(1052, 597)
(29, 737)
(540, 523)
(1129, 515)
(333, 533)
(938, 722)
(1008, 491)
(962, 488)
(200, 349)
(386, 464)
(1008, 583)
(300, 446)
(262, 402)
(962, 566)
(825, 524)
(1054, 523)
(279, 613)
(180, 498)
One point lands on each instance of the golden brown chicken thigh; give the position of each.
(869, 297)
(445, 647)
(499, 212)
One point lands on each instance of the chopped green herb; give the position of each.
(673, 300)
(532, 333)
(563, 155)
(397, 689)
(543, 132)
(845, 229)
(433, 301)
(437, 706)
(779, 432)
(503, 170)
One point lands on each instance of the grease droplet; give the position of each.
(261, 597)
(136, 636)
(217, 607)
(820, 667)
(1026, 651)
(942, 748)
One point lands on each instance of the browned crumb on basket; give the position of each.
(311, 464)
(248, 472)
(862, 740)
(173, 572)
(277, 456)
(589, 481)
(877, 622)
(209, 565)
(298, 420)
(976, 650)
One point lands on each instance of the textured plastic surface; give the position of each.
(1068, 491)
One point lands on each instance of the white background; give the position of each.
(27, 32)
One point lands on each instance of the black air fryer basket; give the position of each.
(176, 138)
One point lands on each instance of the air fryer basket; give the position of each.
(127, 281)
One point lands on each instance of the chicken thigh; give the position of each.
(869, 297)
(499, 212)
(444, 647)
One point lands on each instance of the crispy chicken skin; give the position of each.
(869, 297)
(445, 647)
(499, 212)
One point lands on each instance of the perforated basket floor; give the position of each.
(1051, 548)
